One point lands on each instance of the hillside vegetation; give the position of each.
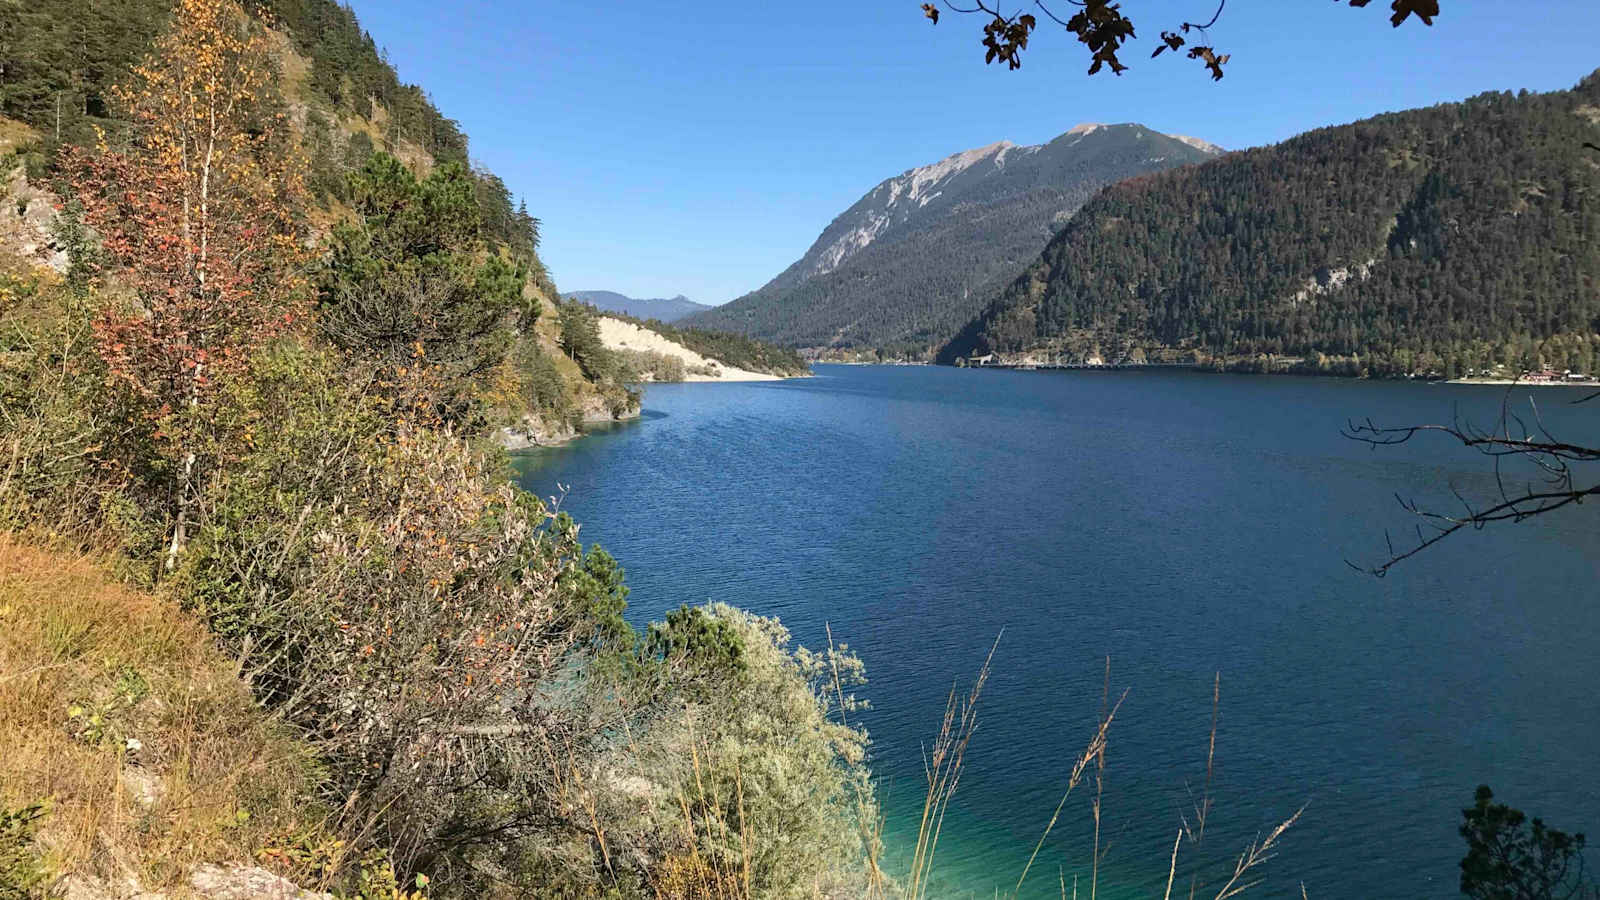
(129, 739)
(920, 254)
(275, 413)
(1430, 241)
(61, 64)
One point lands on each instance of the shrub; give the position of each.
(64, 443)
(22, 870)
(1509, 858)
(738, 771)
(393, 594)
(634, 366)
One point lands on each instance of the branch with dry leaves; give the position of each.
(1103, 29)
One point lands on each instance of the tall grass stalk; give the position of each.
(1202, 809)
(1090, 752)
(1259, 852)
(943, 772)
(1099, 787)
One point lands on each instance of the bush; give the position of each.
(1509, 858)
(393, 594)
(22, 870)
(65, 446)
(634, 366)
(738, 773)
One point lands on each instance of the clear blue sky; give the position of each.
(700, 148)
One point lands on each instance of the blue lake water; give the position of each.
(1181, 524)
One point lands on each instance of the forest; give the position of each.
(1432, 241)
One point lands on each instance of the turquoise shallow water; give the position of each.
(1182, 524)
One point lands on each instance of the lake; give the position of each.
(1181, 524)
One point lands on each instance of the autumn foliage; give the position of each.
(197, 210)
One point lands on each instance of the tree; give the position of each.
(411, 289)
(1510, 859)
(199, 213)
(580, 338)
(1103, 29)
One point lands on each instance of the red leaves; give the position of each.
(211, 281)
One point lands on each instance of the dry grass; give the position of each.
(121, 716)
(943, 772)
(14, 134)
(943, 768)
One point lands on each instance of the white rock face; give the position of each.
(1199, 144)
(899, 196)
(1331, 280)
(246, 882)
(28, 221)
(896, 201)
(619, 335)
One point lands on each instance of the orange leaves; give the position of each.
(198, 220)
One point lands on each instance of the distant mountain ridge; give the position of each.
(1430, 241)
(918, 255)
(670, 309)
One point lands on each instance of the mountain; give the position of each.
(918, 255)
(1438, 239)
(668, 310)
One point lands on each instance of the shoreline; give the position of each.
(1512, 382)
(1208, 370)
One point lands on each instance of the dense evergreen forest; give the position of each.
(1431, 241)
(920, 254)
(61, 59)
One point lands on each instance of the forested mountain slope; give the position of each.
(61, 62)
(920, 254)
(665, 309)
(1435, 239)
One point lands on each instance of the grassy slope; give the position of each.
(90, 669)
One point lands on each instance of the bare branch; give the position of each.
(1512, 438)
